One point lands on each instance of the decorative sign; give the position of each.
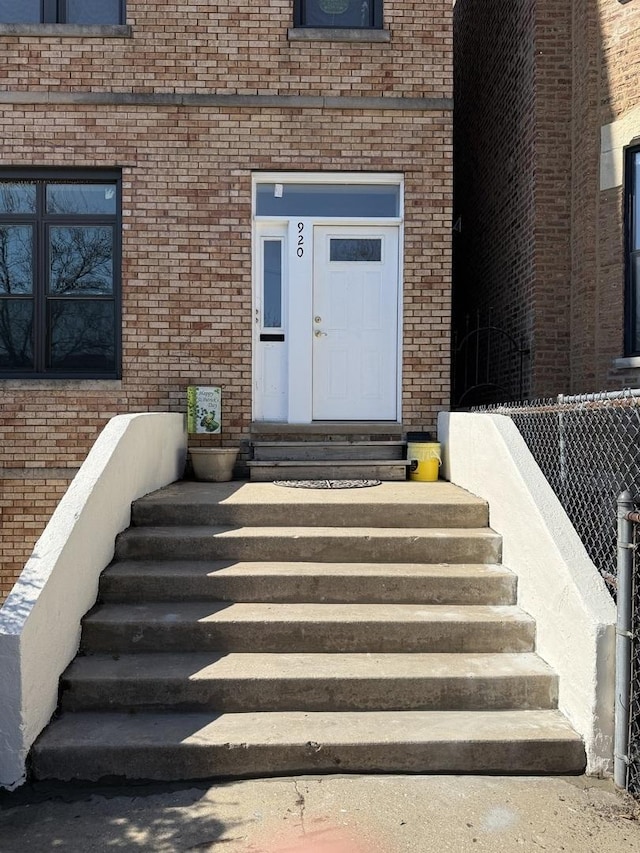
(203, 409)
(334, 7)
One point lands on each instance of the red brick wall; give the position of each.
(619, 83)
(552, 198)
(535, 82)
(584, 185)
(495, 144)
(187, 207)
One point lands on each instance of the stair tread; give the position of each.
(98, 730)
(227, 531)
(203, 745)
(303, 443)
(324, 463)
(179, 612)
(244, 568)
(199, 666)
(240, 493)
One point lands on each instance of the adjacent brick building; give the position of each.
(547, 114)
(162, 168)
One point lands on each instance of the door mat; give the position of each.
(327, 484)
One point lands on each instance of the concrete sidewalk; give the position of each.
(331, 814)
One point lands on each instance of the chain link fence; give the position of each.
(588, 448)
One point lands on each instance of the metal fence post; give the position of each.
(623, 640)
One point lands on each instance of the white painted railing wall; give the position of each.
(557, 582)
(40, 620)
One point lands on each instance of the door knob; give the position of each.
(320, 334)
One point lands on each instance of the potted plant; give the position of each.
(210, 464)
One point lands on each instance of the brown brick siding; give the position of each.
(239, 48)
(186, 315)
(25, 508)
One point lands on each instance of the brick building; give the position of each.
(547, 186)
(176, 181)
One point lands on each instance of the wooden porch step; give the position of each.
(308, 451)
(360, 469)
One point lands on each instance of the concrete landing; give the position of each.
(406, 504)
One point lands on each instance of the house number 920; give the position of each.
(300, 250)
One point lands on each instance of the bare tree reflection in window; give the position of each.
(81, 260)
(16, 333)
(16, 279)
(82, 334)
(81, 331)
(17, 198)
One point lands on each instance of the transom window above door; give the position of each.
(314, 199)
(83, 12)
(346, 14)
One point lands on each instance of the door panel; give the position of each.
(355, 323)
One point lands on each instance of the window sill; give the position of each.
(329, 34)
(625, 363)
(67, 30)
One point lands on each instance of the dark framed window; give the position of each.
(632, 251)
(86, 12)
(60, 253)
(347, 14)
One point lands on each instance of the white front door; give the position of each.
(355, 323)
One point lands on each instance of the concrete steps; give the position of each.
(325, 544)
(232, 682)
(263, 504)
(228, 580)
(163, 746)
(369, 630)
(277, 627)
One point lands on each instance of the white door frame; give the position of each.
(298, 406)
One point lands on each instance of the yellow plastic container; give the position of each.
(426, 459)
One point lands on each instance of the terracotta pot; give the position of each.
(213, 464)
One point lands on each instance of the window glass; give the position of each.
(17, 198)
(16, 259)
(355, 250)
(82, 335)
(81, 260)
(59, 275)
(16, 333)
(272, 289)
(20, 11)
(635, 302)
(338, 13)
(635, 237)
(81, 198)
(93, 12)
(362, 200)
